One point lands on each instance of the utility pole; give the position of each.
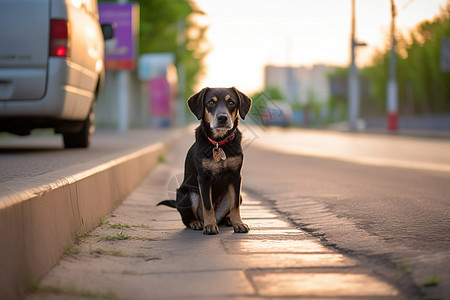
(392, 93)
(122, 83)
(353, 82)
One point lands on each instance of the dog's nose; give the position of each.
(223, 118)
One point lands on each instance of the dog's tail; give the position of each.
(169, 203)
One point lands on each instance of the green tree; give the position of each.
(172, 26)
(422, 86)
(337, 102)
(274, 93)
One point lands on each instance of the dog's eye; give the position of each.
(231, 103)
(211, 103)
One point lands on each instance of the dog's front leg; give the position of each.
(209, 219)
(234, 190)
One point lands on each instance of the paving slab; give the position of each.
(322, 285)
(144, 252)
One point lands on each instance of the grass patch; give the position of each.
(128, 272)
(141, 226)
(432, 281)
(102, 221)
(122, 236)
(79, 237)
(72, 250)
(33, 285)
(142, 238)
(119, 226)
(72, 291)
(118, 237)
(405, 268)
(116, 253)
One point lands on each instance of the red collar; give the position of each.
(220, 143)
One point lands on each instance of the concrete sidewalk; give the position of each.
(144, 252)
(43, 212)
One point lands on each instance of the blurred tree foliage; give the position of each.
(337, 102)
(422, 86)
(274, 93)
(271, 93)
(173, 26)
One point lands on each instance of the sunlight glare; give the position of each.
(244, 36)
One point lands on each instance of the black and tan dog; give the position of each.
(211, 190)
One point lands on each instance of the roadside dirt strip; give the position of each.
(144, 252)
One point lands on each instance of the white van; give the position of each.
(51, 67)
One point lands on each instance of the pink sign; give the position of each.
(159, 96)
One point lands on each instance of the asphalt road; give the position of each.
(397, 216)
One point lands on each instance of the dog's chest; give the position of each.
(233, 163)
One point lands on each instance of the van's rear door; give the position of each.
(24, 43)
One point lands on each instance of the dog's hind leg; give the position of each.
(184, 205)
(195, 224)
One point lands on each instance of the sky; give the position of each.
(246, 35)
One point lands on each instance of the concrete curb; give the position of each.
(39, 222)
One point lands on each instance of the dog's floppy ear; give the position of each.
(244, 103)
(196, 103)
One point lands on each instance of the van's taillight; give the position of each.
(59, 38)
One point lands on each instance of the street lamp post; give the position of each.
(353, 82)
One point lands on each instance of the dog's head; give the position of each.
(220, 108)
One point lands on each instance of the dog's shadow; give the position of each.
(195, 235)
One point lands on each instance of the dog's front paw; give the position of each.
(211, 229)
(241, 228)
(196, 225)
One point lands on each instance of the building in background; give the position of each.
(300, 85)
(305, 90)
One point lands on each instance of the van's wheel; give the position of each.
(81, 139)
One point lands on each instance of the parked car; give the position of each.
(51, 67)
(277, 113)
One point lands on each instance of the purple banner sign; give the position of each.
(120, 51)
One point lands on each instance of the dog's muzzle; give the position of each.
(222, 121)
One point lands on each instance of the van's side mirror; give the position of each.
(108, 31)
